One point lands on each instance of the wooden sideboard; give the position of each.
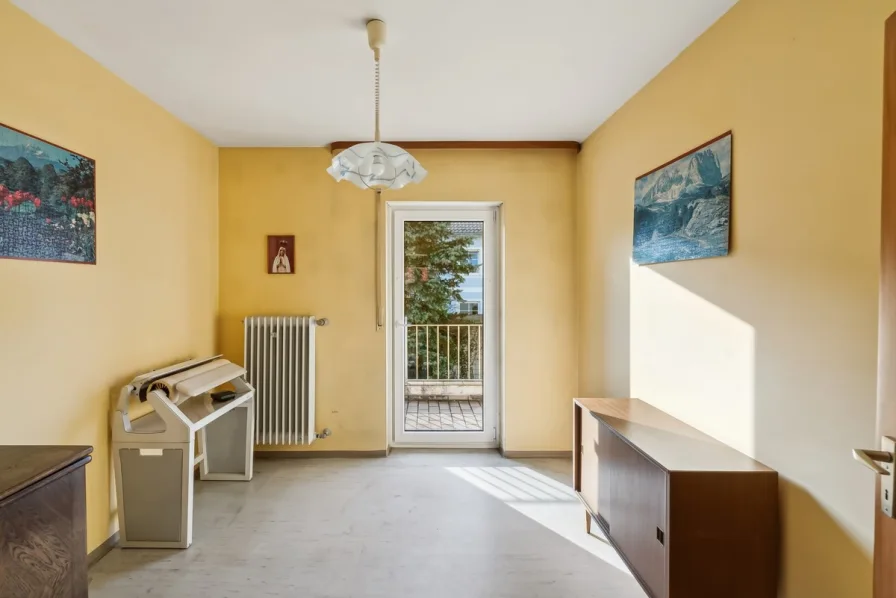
(43, 538)
(692, 517)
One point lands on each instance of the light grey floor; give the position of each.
(416, 524)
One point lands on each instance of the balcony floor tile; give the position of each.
(447, 416)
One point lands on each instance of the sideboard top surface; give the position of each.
(24, 465)
(671, 443)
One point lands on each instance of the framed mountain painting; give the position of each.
(47, 201)
(683, 208)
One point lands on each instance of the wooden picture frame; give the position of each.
(281, 254)
(682, 208)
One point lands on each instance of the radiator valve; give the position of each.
(324, 434)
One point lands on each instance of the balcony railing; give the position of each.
(444, 352)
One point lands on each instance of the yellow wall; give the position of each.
(287, 191)
(772, 349)
(71, 334)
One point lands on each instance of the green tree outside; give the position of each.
(436, 263)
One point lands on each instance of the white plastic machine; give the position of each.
(155, 454)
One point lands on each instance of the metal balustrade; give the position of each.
(444, 352)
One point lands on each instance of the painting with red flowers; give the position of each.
(47, 201)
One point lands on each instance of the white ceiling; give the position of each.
(299, 72)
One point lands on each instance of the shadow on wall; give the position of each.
(782, 369)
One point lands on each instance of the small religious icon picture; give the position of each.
(281, 254)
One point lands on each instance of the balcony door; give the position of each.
(444, 298)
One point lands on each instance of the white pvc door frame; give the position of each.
(493, 378)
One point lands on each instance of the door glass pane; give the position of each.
(443, 306)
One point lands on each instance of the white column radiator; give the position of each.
(278, 352)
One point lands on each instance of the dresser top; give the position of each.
(24, 465)
(671, 443)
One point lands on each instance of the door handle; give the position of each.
(882, 463)
(870, 459)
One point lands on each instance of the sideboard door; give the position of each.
(631, 503)
(589, 461)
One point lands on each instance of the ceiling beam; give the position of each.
(338, 146)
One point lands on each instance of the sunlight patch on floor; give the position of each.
(545, 501)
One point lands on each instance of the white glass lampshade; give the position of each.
(376, 165)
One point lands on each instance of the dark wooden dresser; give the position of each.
(43, 537)
(692, 517)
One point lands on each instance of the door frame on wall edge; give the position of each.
(391, 207)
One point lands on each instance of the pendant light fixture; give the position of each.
(377, 165)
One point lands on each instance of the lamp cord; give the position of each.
(378, 207)
(376, 93)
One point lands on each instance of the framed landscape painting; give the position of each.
(683, 208)
(47, 201)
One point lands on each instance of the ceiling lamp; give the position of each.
(377, 165)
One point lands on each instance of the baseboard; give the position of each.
(320, 454)
(485, 447)
(536, 454)
(102, 550)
